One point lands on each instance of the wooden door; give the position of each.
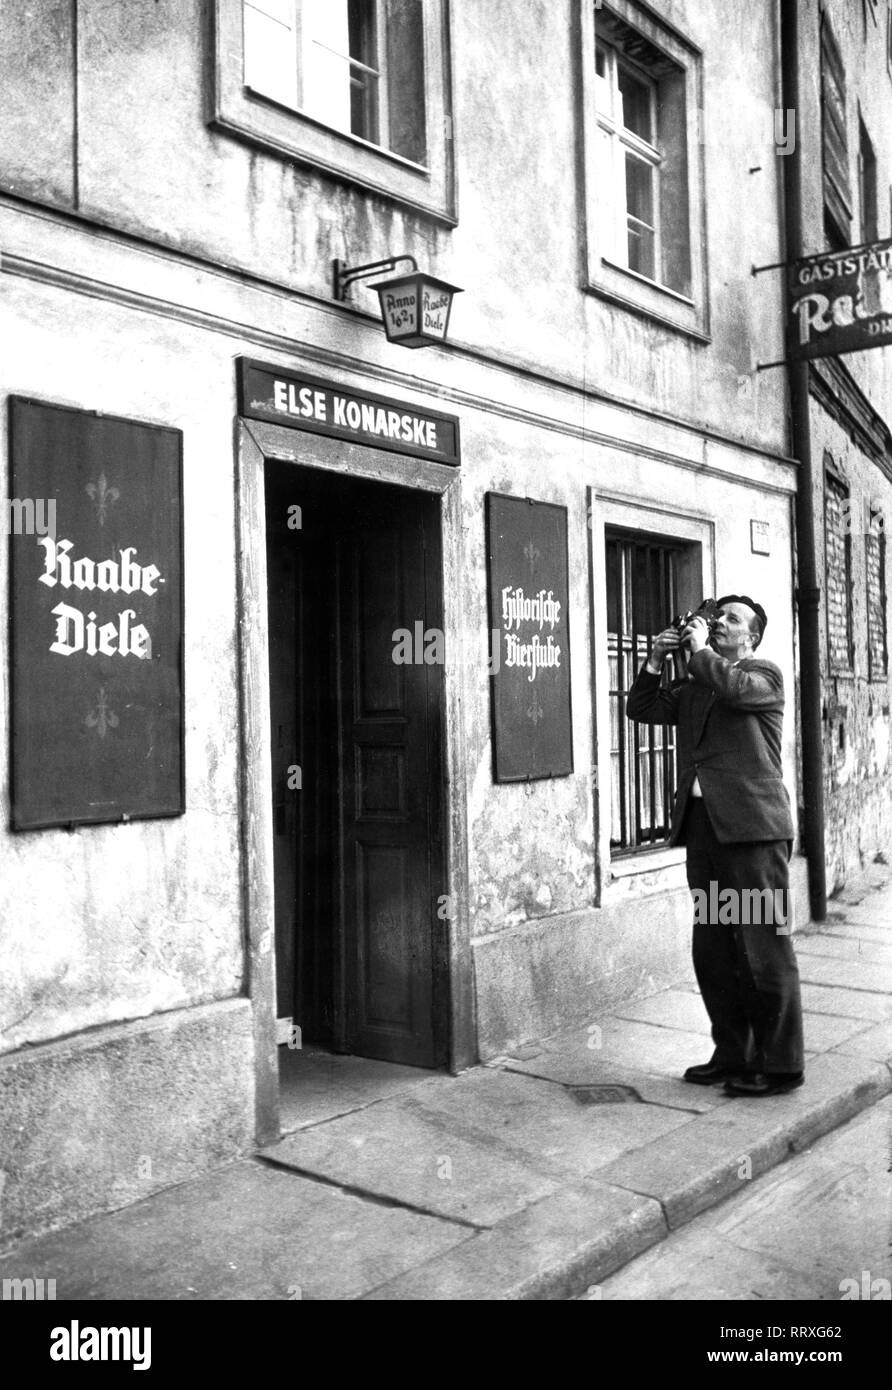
(390, 781)
(360, 948)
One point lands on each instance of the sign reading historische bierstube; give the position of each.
(528, 608)
(96, 629)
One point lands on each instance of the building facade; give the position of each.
(341, 862)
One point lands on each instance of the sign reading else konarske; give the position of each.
(96, 629)
(529, 638)
(286, 397)
(840, 301)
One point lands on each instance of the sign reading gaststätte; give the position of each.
(840, 301)
(323, 407)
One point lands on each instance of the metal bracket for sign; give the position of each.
(757, 270)
(344, 275)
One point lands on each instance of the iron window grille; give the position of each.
(642, 596)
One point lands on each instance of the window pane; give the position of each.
(641, 232)
(282, 10)
(637, 103)
(270, 57)
(405, 79)
(640, 190)
(338, 91)
(640, 216)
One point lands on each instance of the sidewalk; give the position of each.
(533, 1177)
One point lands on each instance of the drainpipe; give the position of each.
(808, 593)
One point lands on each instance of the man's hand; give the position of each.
(696, 635)
(664, 643)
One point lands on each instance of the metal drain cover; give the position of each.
(603, 1095)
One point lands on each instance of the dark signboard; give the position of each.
(530, 641)
(840, 301)
(96, 626)
(324, 407)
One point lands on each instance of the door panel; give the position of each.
(358, 852)
(388, 896)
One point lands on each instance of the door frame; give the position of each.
(258, 442)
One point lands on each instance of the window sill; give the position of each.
(658, 303)
(264, 123)
(646, 862)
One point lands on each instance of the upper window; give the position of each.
(643, 165)
(357, 88)
(834, 139)
(355, 65)
(867, 185)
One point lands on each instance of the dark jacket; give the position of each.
(729, 720)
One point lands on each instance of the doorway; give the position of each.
(357, 765)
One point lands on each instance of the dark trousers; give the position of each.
(746, 970)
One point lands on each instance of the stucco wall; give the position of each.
(106, 923)
(147, 161)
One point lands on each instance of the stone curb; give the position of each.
(573, 1239)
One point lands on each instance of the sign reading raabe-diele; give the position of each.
(96, 630)
(840, 301)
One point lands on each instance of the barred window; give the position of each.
(838, 570)
(875, 557)
(642, 597)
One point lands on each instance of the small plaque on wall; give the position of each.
(529, 638)
(760, 537)
(96, 617)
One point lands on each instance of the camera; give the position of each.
(707, 610)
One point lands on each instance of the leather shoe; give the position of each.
(711, 1073)
(759, 1084)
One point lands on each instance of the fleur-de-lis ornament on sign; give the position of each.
(535, 711)
(102, 718)
(102, 496)
(531, 553)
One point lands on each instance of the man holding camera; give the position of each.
(732, 813)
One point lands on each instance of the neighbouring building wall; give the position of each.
(851, 445)
(854, 497)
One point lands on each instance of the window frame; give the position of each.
(612, 510)
(262, 121)
(836, 176)
(868, 201)
(833, 475)
(625, 142)
(880, 674)
(603, 275)
(646, 744)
